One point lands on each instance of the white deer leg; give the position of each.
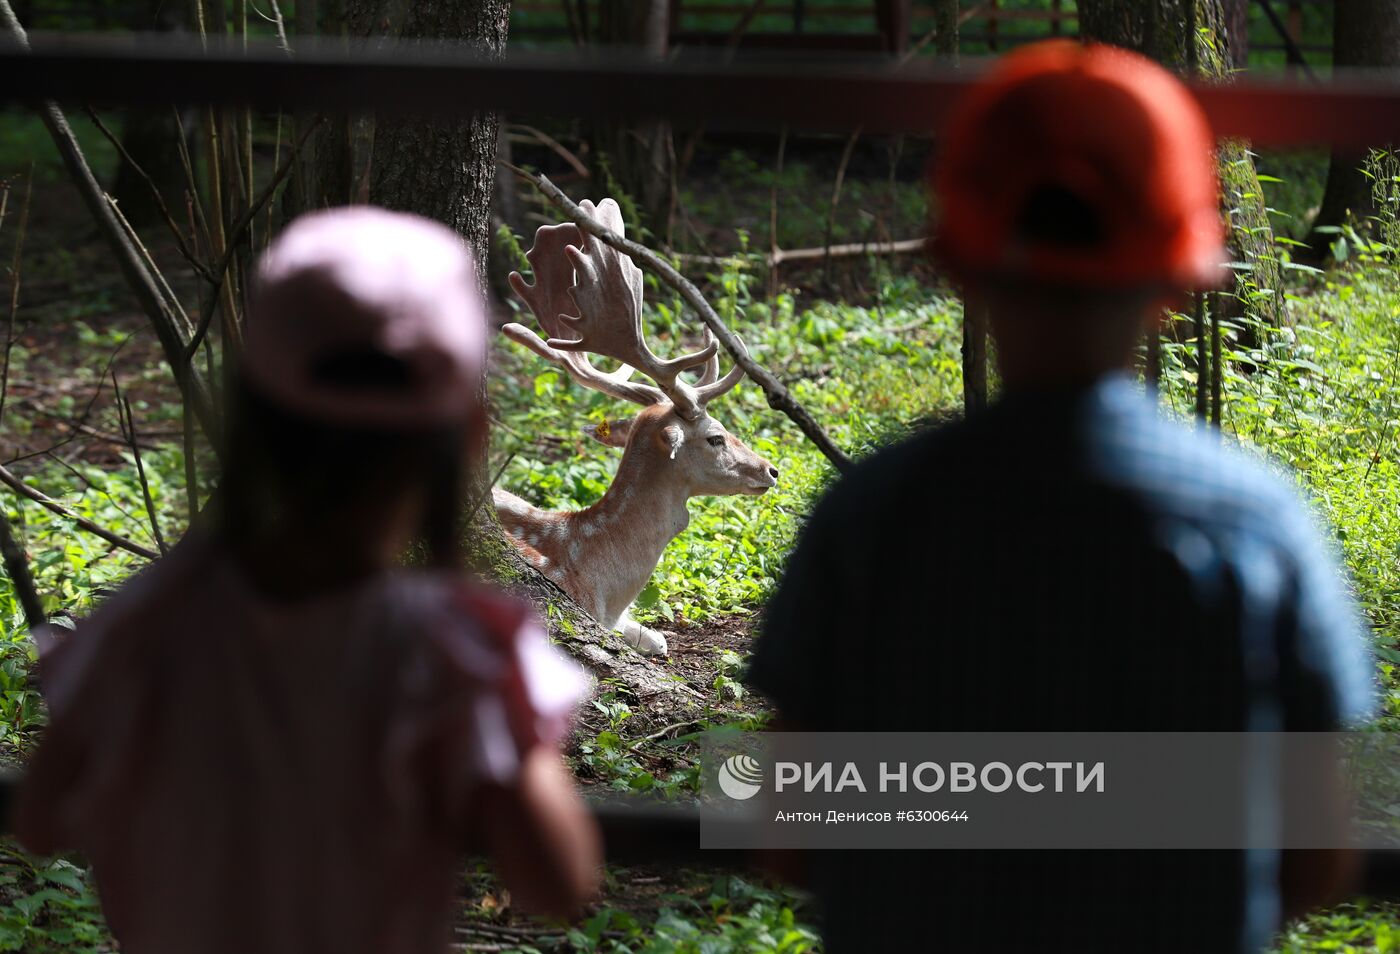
(648, 642)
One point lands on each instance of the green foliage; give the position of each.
(1322, 396)
(1383, 169)
(27, 144)
(47, 907)
(735, 917)
(72, 568)
(617, 762)
(1362, 928)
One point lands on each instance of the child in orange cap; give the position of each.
(277, 739)
(1068, 559)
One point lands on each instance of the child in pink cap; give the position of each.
(276, 740)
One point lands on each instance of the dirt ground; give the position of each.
(74, 326)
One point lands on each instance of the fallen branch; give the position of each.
(779, 398)
(662, 732)
(853, 249)
(48, 503)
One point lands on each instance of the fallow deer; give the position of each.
(587, 297)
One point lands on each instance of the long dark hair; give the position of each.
(283, 470)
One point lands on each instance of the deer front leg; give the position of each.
(646, 641)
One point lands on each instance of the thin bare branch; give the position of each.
(48, 503)
(277, 21)
(185, 251)
(127, 422)
(836, 196)
(555, 146)
(207, 308)
(172, 300)
(14, 286)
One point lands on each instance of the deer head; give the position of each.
(587, 297)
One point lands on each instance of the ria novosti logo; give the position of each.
(740, 777)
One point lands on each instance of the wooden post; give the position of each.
(992, 24)
(1056, 16)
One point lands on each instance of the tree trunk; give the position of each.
(1237, 30)
(1190, 35)
(1365, 35)
(446, 170)
(945, 20)
(149, 135)
(633, 156)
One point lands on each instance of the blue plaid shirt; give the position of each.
(1062, 562)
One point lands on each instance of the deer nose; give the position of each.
(773, 472)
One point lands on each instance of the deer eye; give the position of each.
(715, 440)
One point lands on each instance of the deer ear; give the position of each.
(671, 437)
(612, 433)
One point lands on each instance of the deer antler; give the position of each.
(707, 387)
(608, 292)
(549, 299)
(601, 313)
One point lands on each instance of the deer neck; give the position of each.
(642, 511)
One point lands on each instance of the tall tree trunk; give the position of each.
(445, 170)
(634, 155)
(1190, 36)
(1365, 35)
(149, 134)
(945, 20)
(1237, 29)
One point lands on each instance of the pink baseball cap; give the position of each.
(365, 317)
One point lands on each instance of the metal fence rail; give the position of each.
(1352, 111)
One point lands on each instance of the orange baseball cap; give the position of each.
(364, 317)
(1109, 149)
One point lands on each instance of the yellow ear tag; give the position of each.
(603, 430)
